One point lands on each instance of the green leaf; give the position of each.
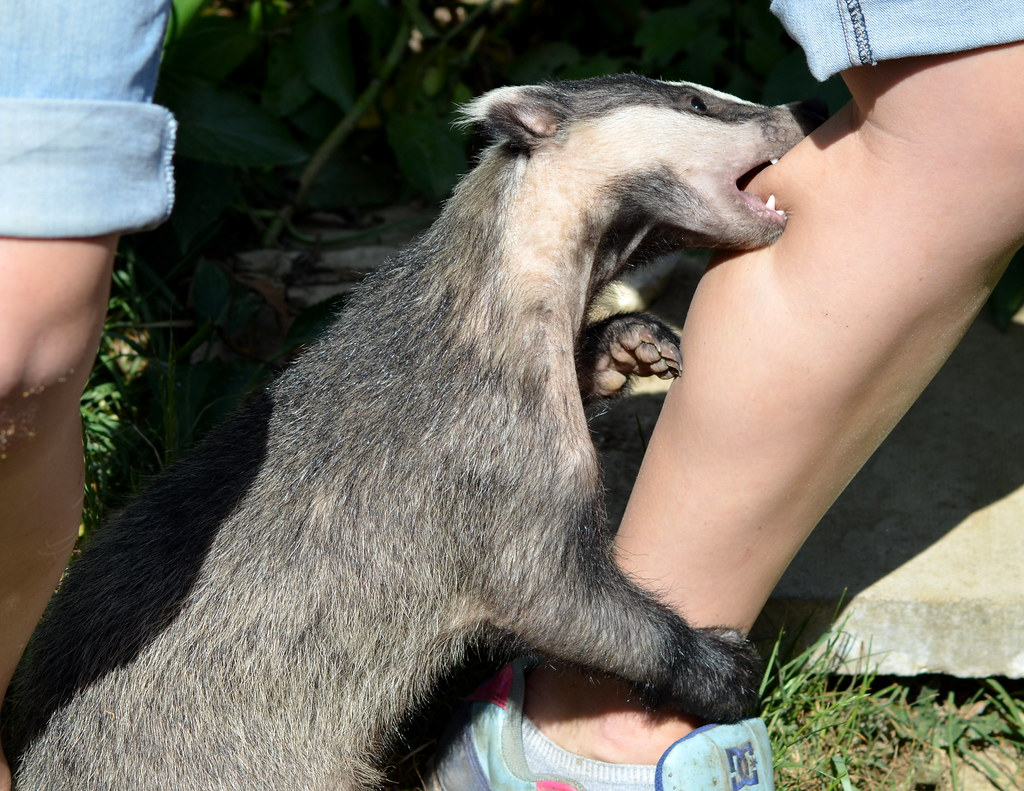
(419, 19)
(1011, 706)
(701, 59)
(461, 94)
(220, 126)
(324, 53)
(316, 118)
(614, 18)
(681, 31)
(348, 180)
(203, 192)
(842, 773)
(666, 33)
(593, 67)
(543, 63)
(211, 291)
(434, 79)
(428, 153)
(791, 81)
(196, 396)
(763, 47)
(764, 53)
(245, 305)
(217, 298)
(380, 21)
(211, 48)
(182, 14)
(1008, 296)
(311, 323)
(286, 88)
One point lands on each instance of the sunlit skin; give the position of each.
(799, 358)
(53, 299)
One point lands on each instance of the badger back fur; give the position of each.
(268, 610)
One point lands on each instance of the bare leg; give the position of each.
(800, 358)
(52, 303)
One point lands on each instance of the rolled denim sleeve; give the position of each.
(840, 34)
(83, 151)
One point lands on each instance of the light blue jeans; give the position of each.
(839, 34)
(83, 152)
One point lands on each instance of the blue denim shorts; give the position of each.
(83, 152)
(839, 34)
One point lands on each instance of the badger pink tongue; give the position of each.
(754, 201)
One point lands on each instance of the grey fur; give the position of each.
(265, 614)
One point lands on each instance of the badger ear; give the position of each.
(522, 116)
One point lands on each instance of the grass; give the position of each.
(860, 731)
(160, 379)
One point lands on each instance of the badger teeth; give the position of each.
(774, 161)
(770, 204)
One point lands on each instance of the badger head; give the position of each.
(653, 164)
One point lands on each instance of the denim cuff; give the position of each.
(78, 168)
(840, 34)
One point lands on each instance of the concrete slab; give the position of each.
(926, 546)
(928, 540)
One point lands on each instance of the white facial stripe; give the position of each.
(727, 97)
(685, 142)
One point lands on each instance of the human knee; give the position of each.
(40, 387)
(52, 306)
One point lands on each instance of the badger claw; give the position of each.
(630, 344)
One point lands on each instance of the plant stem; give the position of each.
(338, 135)
(355, 237)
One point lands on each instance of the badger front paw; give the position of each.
(713, 673)
(629, 344)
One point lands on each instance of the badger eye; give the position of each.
(697, 105)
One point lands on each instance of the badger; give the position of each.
(421, 480)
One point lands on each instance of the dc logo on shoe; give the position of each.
(742, 766)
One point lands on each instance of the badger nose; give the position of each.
(810, 114)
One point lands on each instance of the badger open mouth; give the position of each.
(763, 208)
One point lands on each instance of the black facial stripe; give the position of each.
(653, 203)
(597, 96)
(652, 194)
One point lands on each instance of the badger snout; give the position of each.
(782, 127)
(785, 125)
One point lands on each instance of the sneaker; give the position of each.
(482, 750)
(720, 757)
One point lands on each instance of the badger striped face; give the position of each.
(661, 160)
